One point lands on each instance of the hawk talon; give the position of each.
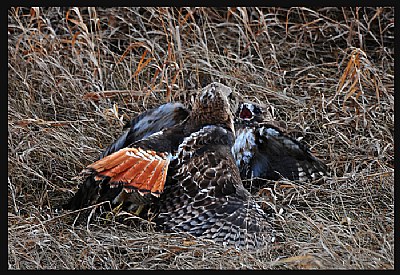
(139, 210)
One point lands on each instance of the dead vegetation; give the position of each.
(75, 76)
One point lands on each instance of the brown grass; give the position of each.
(75, 76)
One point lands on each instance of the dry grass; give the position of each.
(76, 74)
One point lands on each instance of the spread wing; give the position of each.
(127, 169)
(206, 197)
(280, 155)
(263, 150)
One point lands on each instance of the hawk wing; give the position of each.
(286, 156)
(206, 197)
(136, 164)
(264, 151)
(148, 123)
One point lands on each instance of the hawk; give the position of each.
(262, 149)
(203, 193)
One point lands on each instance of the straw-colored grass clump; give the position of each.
(76, 75)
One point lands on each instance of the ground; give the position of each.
(76, 75)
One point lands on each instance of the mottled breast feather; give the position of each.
(205, 196)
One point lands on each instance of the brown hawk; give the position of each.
(203, 193)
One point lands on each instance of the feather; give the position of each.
(134, 168)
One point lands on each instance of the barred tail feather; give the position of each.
(134, 168)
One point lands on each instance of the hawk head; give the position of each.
(250, 112)
(213, 106)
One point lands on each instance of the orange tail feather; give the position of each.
(135, 168)
(148, 178)
(111, 160)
